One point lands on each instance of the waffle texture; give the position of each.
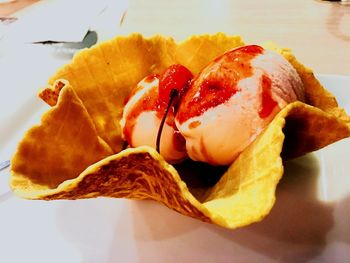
(76, 150)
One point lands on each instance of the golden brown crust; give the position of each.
(50, 94)
(100, 79)
(45, 156)
(136, 176)
(309, 129)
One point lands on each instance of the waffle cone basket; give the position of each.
(76, 150)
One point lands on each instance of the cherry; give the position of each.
(174, 77)
(173, 83)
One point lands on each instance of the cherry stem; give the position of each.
(173, 94)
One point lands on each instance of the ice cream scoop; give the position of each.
(232, 100)
(149, 114)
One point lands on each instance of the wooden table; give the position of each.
(318, 32)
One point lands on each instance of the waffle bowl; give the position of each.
(76, 150)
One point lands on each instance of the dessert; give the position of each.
(232, 100)
(148, 105)
(98, 81)
(226, 106)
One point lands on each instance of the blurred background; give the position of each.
(38, 36)
(317, 31)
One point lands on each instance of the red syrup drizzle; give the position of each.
(217, 82)
(267, 102)
(151, 78)
(175, 77)
(172, 85)
(157, 99)
(136, 89)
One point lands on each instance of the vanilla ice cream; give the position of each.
(141, 120)
(232, 100)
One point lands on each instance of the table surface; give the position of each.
(313, 205)
(318, 32)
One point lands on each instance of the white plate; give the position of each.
(309, 222)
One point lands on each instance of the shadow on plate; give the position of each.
(295, 230)
(298, 228)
